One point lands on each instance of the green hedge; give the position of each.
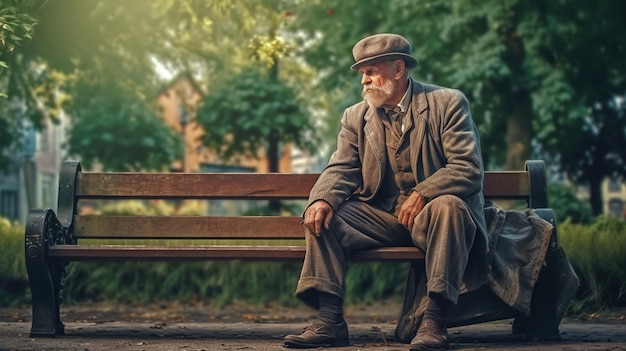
(14, 288)
(598, 254)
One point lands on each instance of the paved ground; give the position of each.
(98, 327)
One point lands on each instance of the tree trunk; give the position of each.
(595, 195)
(518, 132)
(273, 159)
(273, 154)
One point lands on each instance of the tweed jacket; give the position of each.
(445, 153)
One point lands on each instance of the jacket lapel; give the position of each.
(375, 139)
(419, 107)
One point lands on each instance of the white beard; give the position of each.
(377, 96)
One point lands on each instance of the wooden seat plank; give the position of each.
(194, 253)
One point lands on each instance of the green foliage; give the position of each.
(567, 205)
(251, 111)
(16, 26)
(123, 139)
(268, 50)
(219, 282)
(519, 62)
(597, 253)
(13, 279)
(114, 126)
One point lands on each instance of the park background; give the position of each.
(255, 85)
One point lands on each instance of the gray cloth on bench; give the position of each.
(518, 242)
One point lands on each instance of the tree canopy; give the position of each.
(545, 79)
(16, 27)
(541, 76)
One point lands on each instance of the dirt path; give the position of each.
(240, 327)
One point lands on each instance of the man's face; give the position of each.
(378, 83)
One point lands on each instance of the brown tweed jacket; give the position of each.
(445, 152)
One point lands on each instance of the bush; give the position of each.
(598, 254)
(13, 278)
(567, 205)
(221, 282)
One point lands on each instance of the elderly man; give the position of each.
(407, 171)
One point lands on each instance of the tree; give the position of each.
(253, 112)
(588, 137)
(117, 129)
(541, 76)
(526, 66)
(248, 104)
(16, 26)
(101, 43)
(588, 158)
(102, 55)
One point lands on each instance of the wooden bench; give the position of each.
(54, 239)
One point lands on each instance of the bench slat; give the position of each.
(198, 253)
(93, 185)
(195, 185)
(188, 227)
(506, 185)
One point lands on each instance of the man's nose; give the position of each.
(365, 79)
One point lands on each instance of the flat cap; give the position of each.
(381, 47)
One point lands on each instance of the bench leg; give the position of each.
(44, 276)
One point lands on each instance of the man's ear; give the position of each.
(398, 69)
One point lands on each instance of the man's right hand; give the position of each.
(318, 216)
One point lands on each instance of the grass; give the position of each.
(13, 279)
(598, 254)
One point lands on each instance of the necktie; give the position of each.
(395, 117)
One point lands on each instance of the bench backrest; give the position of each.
(528, 185)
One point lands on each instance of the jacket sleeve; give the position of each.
(342, 176)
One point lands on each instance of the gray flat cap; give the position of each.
(381, 47)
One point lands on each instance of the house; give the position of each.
(31, 181)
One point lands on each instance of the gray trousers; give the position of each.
(444, 230)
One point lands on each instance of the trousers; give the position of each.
(444, 230)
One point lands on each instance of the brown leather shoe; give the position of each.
(431, 336)
(319, 334)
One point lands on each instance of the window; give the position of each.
(614, 185)
(8, 204)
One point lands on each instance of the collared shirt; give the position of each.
(404, 105)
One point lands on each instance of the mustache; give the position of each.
(371, 86)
